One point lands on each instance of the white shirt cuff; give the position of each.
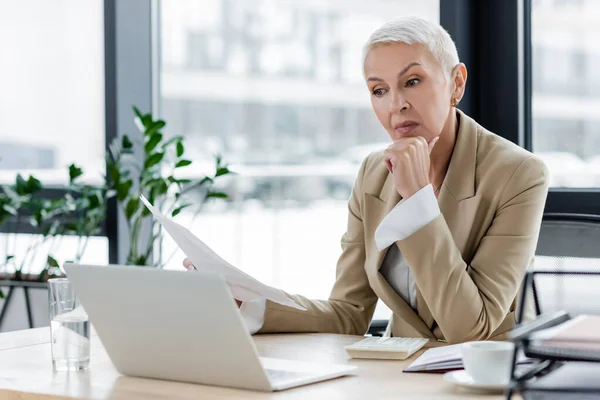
(253, 313)
(407, 217)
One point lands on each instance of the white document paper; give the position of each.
(243, 286)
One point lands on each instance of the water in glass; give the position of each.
(69, 328)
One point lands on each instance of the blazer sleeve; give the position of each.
(469, 302)
(351, 303)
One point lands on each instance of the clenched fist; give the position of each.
(408, 160)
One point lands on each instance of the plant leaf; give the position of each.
(154, 127)
(182, 163)
(137, 112)
(114, 174)
(52, 262)
(126, 143)
(216, 195)
(74, 172)
(152, 142)
(206, 179)
(180, 149)
(178, 209)
(222, 171)
(171, 140)
(95, 199)
(33, 185)
(132, 207)
(20, 184)
(123, 189)
(142, 260)
(153, 160)
(10, 209)
(162, 187)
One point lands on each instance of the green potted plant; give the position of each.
(79, 212)
(133, 168)
(149, 168)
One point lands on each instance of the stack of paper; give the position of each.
(243, 286)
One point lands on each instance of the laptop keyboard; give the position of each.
(278, 375)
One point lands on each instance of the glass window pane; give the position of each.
(52, 102)
(277, 88)
(30, 252)
(566, 90)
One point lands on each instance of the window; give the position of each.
(277, 88)
(566, 90)
(51, 113)
(52, 102)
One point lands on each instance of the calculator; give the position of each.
(385, 348)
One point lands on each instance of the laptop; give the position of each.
(182, 326)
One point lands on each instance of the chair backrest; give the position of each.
(569, 246)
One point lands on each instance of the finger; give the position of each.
(432, 143)
(387, 158)
(188, 264)
(389, 166)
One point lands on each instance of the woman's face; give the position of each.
(410, 93)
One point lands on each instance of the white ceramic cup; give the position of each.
(488, 363)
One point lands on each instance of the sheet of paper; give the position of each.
(243, 286)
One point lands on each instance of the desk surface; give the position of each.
(26, 373)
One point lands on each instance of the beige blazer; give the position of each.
(468, 263)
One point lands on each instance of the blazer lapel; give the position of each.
(457, 199)
(376, 209)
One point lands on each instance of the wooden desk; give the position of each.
(26, 373)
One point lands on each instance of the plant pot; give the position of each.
(25, 305)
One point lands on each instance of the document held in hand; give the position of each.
(243, 286)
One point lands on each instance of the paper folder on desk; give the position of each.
(243, 286)
(444, 359)
(577, 338)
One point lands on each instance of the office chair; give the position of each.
(569, 245)
(377, 327)
(567, 242)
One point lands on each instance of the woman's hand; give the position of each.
(189, 266)
(408, 160)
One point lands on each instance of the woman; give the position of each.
(442, 224)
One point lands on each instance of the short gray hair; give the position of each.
(418, 30)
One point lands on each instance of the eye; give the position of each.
(412, 82)
(379, 92)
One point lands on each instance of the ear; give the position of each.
(459, 77)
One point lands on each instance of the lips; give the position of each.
(405, 127)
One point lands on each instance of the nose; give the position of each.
(398, 103)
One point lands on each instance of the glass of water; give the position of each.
(69, 328)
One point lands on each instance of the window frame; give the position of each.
(494, 41)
